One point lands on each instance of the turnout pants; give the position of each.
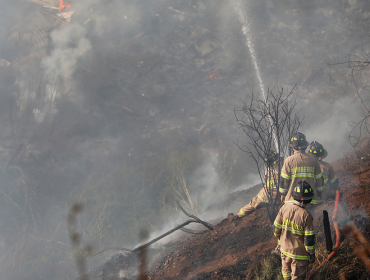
(293, 269)
(251, 206)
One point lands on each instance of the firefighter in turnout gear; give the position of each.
(300, 166)
(269, 192)
(330, 184)
(295, 233)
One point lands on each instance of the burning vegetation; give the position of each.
(64, 5)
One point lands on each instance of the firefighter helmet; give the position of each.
(272, 157)
(317, 150)
(303, 192)
(298, 141)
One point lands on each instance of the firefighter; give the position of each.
(300, 166)
(295, 233)
(330, 184)
(269, 192)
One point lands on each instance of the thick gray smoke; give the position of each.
(132, 105)
(70, 45)
(285, 46)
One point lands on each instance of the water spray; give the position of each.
(249, 43)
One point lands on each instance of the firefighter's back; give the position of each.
(295, 224)
(301, 166)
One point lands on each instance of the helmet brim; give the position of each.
(302, 146)
(324, 153)
(306, 200)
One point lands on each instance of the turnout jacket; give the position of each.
(295, 232)
(271, 183)
(328, 175)
(301, 166)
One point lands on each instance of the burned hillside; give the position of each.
(126, 106)
(239, 249)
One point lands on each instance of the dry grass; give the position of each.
(345, 264)
(267, 269)
(179, 165)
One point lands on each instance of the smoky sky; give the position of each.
(132, 82)
(294, 45)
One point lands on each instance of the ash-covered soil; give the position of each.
(229, 251)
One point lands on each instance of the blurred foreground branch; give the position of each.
(75, 238)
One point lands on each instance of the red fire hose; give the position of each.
(337, 233)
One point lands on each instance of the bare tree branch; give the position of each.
(260, 120)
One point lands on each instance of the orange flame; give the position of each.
(62, 6)
(213, 75)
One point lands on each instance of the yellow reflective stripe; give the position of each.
(312, 202)
(293, 230)
(279, 241)
(303, 169)
(334, 179)
(308, 248)
(293, 227)
(304, 175)
(283, 191)
(287, 275)
(324, 186)
(276, 234)
(320, 189)
(277, 224)
(318, 176)
(285, 176)
(242, 212)
(271, 183)
(296, 257)
(316, 202)
(310, 232)
(262, 199)
(325, 179)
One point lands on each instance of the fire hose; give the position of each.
(337, 244)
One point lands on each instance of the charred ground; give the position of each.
(235, 250)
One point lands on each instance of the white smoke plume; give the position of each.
(70, 45)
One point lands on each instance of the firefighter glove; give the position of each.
(236, 217)
(276, 251)
(319, 195)
(312, 258)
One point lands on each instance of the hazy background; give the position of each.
(133, 103)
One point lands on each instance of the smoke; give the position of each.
(288, 54)
(251, 180)
(85, 5)
(141, 81)
(333, 132)
(70, 45)
(206, 189)
(206, 182)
